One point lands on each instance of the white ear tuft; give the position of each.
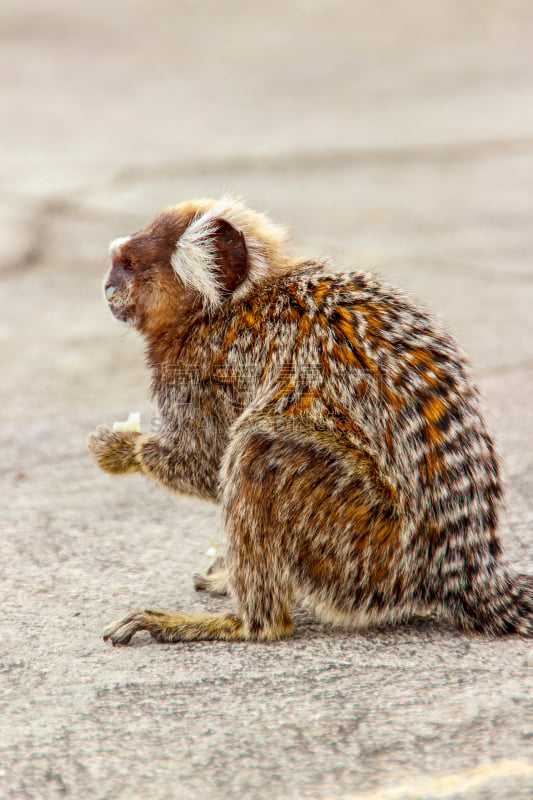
(264, 239)
(193, 259)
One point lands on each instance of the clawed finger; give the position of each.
(121, 631)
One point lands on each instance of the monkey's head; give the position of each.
(194, 256)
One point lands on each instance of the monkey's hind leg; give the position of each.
(165, 627)
(263, 607)
(262, 600)
(168, 628)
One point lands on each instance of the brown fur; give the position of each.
(331, 418)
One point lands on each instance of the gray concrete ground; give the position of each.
(393, 136)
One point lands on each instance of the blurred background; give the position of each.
(392, 136)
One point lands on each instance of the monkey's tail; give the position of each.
(497, 603)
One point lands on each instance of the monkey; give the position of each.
(331, 417)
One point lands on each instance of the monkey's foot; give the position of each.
(165, 627)
(121, 631)
(214, 581)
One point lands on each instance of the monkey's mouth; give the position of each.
(117, 304)
(121, 312)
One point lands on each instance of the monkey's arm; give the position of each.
(181, 463)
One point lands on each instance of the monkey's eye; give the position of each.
(130, 266)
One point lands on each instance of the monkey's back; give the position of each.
(369, 378)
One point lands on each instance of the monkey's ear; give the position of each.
(230, 256)
(211, 257)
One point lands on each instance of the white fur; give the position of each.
(193, 259)
(194, 256)
(116, 243)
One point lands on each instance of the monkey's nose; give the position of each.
(110, 291)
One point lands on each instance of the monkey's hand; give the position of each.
(114, 451)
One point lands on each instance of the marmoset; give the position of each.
(330, 416)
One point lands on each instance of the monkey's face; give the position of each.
(141, 288)
(120, 282)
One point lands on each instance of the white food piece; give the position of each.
(133, 423)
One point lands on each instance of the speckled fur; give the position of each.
(334, 421)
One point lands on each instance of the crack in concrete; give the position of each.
(34, 252)
(298, 160)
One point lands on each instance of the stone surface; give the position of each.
(397, 137)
